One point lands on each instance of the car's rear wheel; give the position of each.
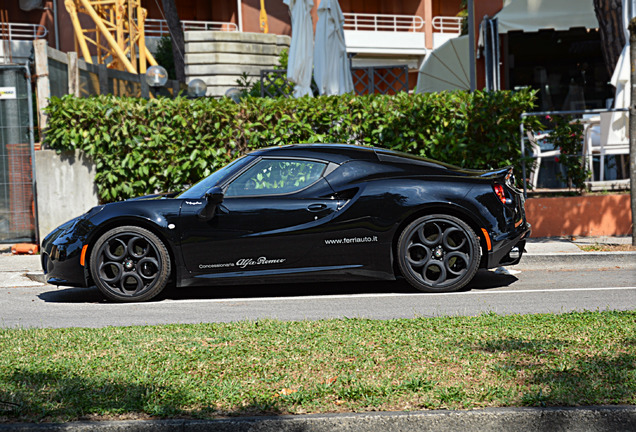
(130, 264)
(438, 253)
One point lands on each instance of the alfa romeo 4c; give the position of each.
(294, 214)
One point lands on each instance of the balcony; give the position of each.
(155, 28)
(158, 28)
(445, 28)
(395, 34)
(17, 39)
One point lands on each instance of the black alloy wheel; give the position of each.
(130, 264)
(438, 253)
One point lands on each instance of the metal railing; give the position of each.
(158, 28)
(19, 31)
(524, 137)
(381, 22)
(366, 80)
(448, 24)
(380, 79)
(400, 23)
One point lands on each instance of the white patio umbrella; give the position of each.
(619, 126)
(445, 68)
(301, 50)
(331, 65)
(619, 130)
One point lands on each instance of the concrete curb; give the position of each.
(579, 260)
(36, 277)
(589, 419)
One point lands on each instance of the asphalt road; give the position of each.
(530, 291)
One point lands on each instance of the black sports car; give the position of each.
(299, 213)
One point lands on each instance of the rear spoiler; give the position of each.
(505, 172)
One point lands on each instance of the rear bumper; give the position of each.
(501, 255)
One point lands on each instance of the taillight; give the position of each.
(499, 190)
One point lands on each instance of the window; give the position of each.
(275, 177)
(198, 190)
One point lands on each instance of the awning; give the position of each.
(535, 15)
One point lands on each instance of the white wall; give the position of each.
(385, 42)
(65, 185)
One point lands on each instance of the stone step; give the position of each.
(210, 74)
(233, 47)
(251, 38)
(232, 59)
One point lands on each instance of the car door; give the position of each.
(265, 224)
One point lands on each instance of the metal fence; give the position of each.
(94, 79)
(59, 74)
(18, 213)
(538, 145)
(383, 80)
(366, 80)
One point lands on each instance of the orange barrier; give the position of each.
(24, 248)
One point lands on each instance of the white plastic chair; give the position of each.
(605, 135)
(537, 153)
(614, 137)
(591, 140)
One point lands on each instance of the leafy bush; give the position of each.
(251, 86)
(567, 137)
(144, 146)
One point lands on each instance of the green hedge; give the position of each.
(143, 146)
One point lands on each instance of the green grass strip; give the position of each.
(350, 365)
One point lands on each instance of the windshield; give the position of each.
(214, 179)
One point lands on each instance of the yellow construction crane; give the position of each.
(263, 18)
(118, 33)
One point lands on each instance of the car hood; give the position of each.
(163, 195)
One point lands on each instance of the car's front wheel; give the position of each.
(438, 253)
(130, 264)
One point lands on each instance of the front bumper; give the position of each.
(61, 253)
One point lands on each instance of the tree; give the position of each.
(610, 20)
(176, 33)
(609, 14)
(632, 127)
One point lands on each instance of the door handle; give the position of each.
(316, 207)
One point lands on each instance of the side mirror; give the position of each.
(213, 197)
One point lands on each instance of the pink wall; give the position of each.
(597, 215)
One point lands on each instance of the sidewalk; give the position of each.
(566, 253)
(20, 270)
(541, 253)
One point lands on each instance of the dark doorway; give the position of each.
(565, 66)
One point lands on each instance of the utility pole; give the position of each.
(632, 124)
(471, 44)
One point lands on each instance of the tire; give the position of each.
(130, 264)
(438, 253)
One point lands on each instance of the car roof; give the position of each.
(341, 153)
(337, 153)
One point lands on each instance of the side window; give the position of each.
(275, 177)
